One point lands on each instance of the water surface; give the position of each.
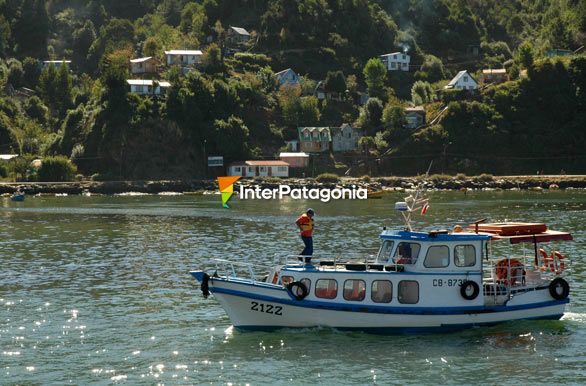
(97, 290)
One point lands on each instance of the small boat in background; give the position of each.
(18, 196)
(375, 194)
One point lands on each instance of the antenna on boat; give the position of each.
(415, 201)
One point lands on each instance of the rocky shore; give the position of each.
(375, 183)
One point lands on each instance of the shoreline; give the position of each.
(373, 183)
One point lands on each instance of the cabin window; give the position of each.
(282, 168)
(465, 256)
(326, 288)
(384, 253)
(307, 284)
(237, 169)
(438, 256)
(263, 169)
(381, 291)
(407, 253)
(408, 292)
(286, 280)
(354, 290)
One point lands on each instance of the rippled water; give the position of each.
(97, 290)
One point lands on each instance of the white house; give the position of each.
(345, 137)
(462, 81)
(143, 65)
(183, 57)
(396, 61)
(272, 168)
(145, 86)
(237, 35)
(287, 77)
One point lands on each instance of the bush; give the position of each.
(440, 177)
(57, 168)
(327, 177)
(484, 178)
(461, 177)
(3, 171)
(365, 178)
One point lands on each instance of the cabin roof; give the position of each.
(442, 236)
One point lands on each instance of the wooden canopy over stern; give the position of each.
(518, 232)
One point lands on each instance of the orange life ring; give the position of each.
(557, 262)
(509, 271)
(275, 278)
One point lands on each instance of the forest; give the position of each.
(82, 114)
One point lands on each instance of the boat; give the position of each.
(420, 281)
(374, 194)
(18, 196)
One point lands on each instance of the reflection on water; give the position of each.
(96, 290)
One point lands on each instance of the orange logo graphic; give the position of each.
(226, 185)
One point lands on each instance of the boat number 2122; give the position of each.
(268, 308)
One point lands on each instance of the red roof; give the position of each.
(518, 232)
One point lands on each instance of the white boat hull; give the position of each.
(265, 307)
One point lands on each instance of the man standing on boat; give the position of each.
(305, 224)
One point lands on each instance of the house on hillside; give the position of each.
(287, 77)
(396, 61)
(146, 65)
(295, 160)
(148, 87)
(345, 138)
(56, 63)
(414, 117)
(314, 139)
(183, 57)
(498, 75)
(237, 35)
(271, 168)
(462, 81)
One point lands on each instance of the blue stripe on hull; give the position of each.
(311, 304)
(401, 330)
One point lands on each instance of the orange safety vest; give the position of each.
(306, 224)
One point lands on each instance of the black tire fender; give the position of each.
(466, 287)
(298, 290)
(559, 289)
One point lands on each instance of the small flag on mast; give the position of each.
(424, 208)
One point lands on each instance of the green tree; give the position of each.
(35, 109)
(422, 93)
(63, 90)
(212, 59)
(525, 55)
(308, 111)
(56, 169)
(393, 118)
(83, 39)
(375, 74)
(335, 82)
(151, 47)
(31, 72)
(434, 68)
(231, 137)
(367, 143)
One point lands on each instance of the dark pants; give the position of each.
(308, 250)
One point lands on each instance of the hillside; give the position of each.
(231, 103)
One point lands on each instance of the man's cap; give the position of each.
(310, 211)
